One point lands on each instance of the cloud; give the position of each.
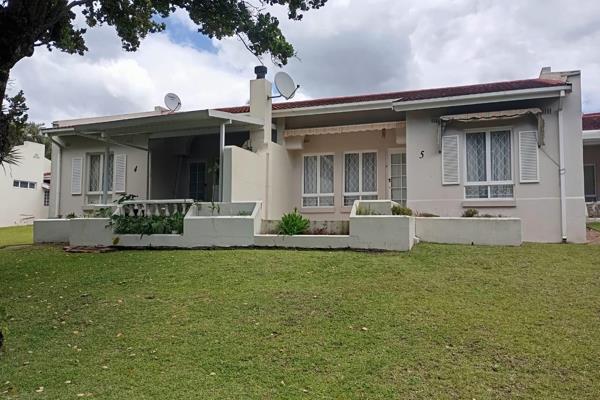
(347, 47)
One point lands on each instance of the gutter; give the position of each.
(561, 169)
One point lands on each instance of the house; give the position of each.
(25, 187)
(591, 161)
(510, 148)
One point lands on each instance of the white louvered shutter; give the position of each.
(76, 170)
(120, 173)
(528, 157)
(450, 170)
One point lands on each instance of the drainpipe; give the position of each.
(56, 180)
(561, 170)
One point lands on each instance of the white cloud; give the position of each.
(347, 47)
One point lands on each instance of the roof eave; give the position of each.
(492, 97)
(334, 108)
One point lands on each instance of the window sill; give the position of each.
(316, 210)
(483, 203)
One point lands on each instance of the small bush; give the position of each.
(427, 215)
(104, 212)
(71, 215)
(148, 225)
(365, 210)
(401, 210)
(470, 213)
(293, 224)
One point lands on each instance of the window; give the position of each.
(317, 189)
(360, 177)
(589, 182)
(398, 177)
(24, 184)
(96, 171)
(46, 198)
(489, 165)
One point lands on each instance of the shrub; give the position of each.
(401, 210)
(293, 224)
(104, 212)
(71, 215)
(148, 225)
(365, 210)
(470, 212)
(427, 215)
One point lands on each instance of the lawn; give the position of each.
(441, 322)
(594, 225)
(14, 235)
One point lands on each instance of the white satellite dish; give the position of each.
(285, 85)
(172, 102)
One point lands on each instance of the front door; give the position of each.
(197, 180)
(397, 176)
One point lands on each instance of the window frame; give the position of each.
(46, 198)
(318, 194)
(488, 163)
(18, 183)
(101, 178)
(593, 165)
(360, 193)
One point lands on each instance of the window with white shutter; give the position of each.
(76, 167)
(528, 157)
(450, 170)
(120, 167)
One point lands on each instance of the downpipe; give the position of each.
(561, 169)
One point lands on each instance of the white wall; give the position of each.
(19, 205)
(243, 175)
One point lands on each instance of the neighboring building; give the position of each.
(591, 157)
(25, 187)
(498, 147)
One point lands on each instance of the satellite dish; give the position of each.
(285, 85)
(172, 102)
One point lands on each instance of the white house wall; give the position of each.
(537, 204)
(21, 205)
(136, 178)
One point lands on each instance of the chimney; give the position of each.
(260, 106)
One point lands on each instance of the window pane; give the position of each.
(351, 173)
(476, 192)
(349, 200)
(326, 201)
(310, 174)
(369, 172)
(111, 168)
(23, 184)
(476, 171)
(589, 182)
(500, 156)
(501, 191)
(309, 201)
(31, 185)
(326, 174)
(94, 173)
(16, 183)
(370, 197)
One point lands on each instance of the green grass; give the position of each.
(441, 322)
(594, 225)
(14, 235)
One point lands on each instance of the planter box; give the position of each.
(90, 232)
(383, 231)
(51, 230)
(487, 231)
(150, 241)
(304, 241)
(269, 227)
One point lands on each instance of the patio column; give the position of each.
(221, 153)
(105, 174)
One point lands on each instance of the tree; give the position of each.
(27, 24)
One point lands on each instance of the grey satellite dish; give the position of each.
(172, 102)
(285, 85)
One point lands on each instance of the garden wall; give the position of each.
(487, 231)
(90, 232)
(51, 231)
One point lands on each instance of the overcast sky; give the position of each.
(347, 47)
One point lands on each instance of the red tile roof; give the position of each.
(591, 122)
(412, 95)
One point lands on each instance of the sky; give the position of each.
(347, 47)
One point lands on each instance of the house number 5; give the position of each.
(422, 154)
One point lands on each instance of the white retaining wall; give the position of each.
(51, 230)
(90, 232)
(488, 231)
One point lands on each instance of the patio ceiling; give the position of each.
(162, 125)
